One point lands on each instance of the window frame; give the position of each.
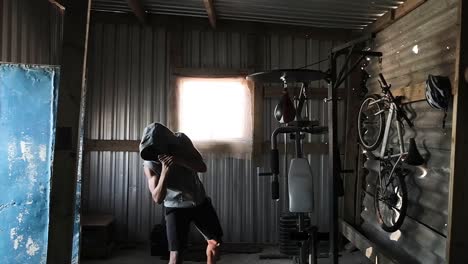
(234, 149)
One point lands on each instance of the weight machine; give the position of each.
(300, 178)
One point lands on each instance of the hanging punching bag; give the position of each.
(284, 110)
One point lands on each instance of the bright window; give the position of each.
(215, 109)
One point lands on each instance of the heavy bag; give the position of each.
(284, 110)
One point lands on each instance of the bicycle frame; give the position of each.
(392, 115)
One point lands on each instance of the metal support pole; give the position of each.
(298, 145)
(332, 162)
(313, 246)
(334, 166)
(71, 110)
(302, 249)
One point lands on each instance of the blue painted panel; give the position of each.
(77, 226)
(28, 96)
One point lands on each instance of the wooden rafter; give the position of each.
(210, 10)
(132, 146)
(138, 10)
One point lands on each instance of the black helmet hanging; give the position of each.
(438, 93)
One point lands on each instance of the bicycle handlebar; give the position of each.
(386, 89)
(382, 79)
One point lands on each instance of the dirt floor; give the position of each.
(141, 255)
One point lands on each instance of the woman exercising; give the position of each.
(171, 164)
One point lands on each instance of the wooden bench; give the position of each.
(97, 233)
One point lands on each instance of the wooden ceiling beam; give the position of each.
(138, 10)
(210, 10)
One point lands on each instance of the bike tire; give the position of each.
(402, 211)
(370, 146)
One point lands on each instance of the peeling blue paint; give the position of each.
(77, 226)
(28, 104)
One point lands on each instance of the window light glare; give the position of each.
(213, 110)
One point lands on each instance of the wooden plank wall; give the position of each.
(421, 43)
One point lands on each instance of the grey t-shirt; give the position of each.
(184, 188)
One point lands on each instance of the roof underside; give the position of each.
(346, 14)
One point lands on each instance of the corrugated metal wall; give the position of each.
(355, 14)
(31, 32)
(432, 27)
(129, 72)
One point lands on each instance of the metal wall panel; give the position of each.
(316, 13)
(30, 31)
(419, 44)
(129, 74)
(128, 80)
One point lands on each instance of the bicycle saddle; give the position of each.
(414, 157)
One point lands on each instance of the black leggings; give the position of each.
(178, 224)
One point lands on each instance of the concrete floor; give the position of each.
(141, 255)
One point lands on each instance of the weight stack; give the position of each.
(289, 222)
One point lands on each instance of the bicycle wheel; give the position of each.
(390, 199)
(371, 123)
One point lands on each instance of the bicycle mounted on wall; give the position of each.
(390, 197)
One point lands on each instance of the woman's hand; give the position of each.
(167, 162)
(157, 185)
(193, 163)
